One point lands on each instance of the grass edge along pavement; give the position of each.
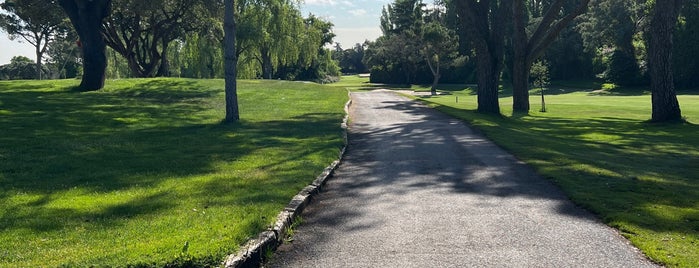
(640, 178)
(255, 251)
(172, 187)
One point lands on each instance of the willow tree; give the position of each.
(269, 31)
(527, 48)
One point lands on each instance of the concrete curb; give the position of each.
(253, 253)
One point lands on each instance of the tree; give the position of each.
(528, 48)
(64, 56)
(142, 31)
(87, 17)
(614, 25)
(20, 67)
(485, 23)
(231, 58)
(666, 108)
(396, 56)
(350, 59)
(440, 49)
(269, 31)
(36, 21)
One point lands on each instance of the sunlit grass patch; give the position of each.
(143, 173)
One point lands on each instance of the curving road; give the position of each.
(420, 189)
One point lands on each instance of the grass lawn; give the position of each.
(143, 174)
(640, 178)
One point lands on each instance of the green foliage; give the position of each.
(623, 70)
(685, 53)
(36, 21)
(142, 31)
(128, 175)
(20, 68)
(417, 45)
(351, 60)
(539, 74)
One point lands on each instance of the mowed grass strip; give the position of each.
(640, 178)
(142, 173)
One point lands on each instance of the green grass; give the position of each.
(143, 173)
(640, 178)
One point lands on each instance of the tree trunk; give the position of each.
(86, 17)
(527, 49)
(231, 62)
(267, 68)
(39, 55)
(486, 24)
(521, 70)
(164, 69)
(435, 69)
(666, 108)
(520, 66)
(488, 82)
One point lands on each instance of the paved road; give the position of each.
(419, 189)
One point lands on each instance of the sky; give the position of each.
(355, 21)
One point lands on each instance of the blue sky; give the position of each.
(355, 21)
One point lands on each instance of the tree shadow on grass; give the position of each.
(142, 138)
(611, 166)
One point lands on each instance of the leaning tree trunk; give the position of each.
(86, 17)
(435, 69)
(231, 62)
(664, 100)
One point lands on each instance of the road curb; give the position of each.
(254, 252)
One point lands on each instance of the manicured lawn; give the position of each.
(640, 178)
(143, 173)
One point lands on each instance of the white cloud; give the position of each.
(321, 2)
(347, 37)
(358, 12)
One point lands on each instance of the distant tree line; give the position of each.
(176, 38)
(609, 42)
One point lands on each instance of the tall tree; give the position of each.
(268, 33)
(231, 62)
(440, 49)
(485, 22)
(397, 55)
(142, 31)
(36, 21)
(666, 108)
(528, 48)
(87, 17)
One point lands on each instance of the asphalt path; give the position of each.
(420, 189)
